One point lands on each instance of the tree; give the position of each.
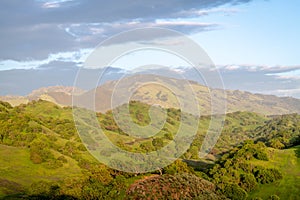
(147, 146)
(234, 192)
(263, 175)
(275, 143)
(248, 182)
(39, 152)
(158, 143)
(176, 167)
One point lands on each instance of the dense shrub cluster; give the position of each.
(235, 176)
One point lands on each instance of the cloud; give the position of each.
(278, 80)
(55, 4)
(75, 57)
(205, 12)
(287, 92)
(40, 27)
(262, 68)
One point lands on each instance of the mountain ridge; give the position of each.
(157, 94)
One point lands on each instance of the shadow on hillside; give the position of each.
(197, 164)
(38, 197)
(297, 152)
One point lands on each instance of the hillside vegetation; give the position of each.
(42, 157)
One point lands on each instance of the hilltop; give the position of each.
(158, 94)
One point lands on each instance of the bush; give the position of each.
(267, 175)
(274, 197)
(39, 152)
(234, 192)
(168, 136)
(248, 182)
(81, 147)
(275, 143)
(158, 143)
(261, 155)
(62, 159)
(176, 167)
(35, 157)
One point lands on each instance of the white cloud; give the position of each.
(179, 22)
(287, 92)
(232, 67)
(204, 12)
(89, 31)
(292, 74)
(278, 70)
(54, 4)
(77, 57)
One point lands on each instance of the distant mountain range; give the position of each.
(157, 94)
(255, 79)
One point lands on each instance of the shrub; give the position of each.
(39, 152)
(234, 192)
(274, 197)
(62, 159)
(248, 182)
(267, 175)
(261, 155)
(176, 167)
(158, 143)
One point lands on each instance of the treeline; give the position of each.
(281, 131)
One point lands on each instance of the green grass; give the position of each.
(48, 109)
(289, 164)
(16, 167)
(17, 170)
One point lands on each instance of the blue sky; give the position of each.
(248, 38)
(259, 33)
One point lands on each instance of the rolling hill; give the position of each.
(59, 95)
(154, 93)
(40, 145)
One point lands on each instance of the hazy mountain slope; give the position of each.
(158, 94)
(60, 95)
(153, 93)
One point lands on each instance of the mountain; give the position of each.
(60, 95)
(255, 79)
(153, 93)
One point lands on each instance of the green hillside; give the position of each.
(18, 172)
(288, 162)
(42, 156)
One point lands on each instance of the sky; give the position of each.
(241, 37)
(259, 33)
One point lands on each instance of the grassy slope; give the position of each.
(289, 164)
(16, 166)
